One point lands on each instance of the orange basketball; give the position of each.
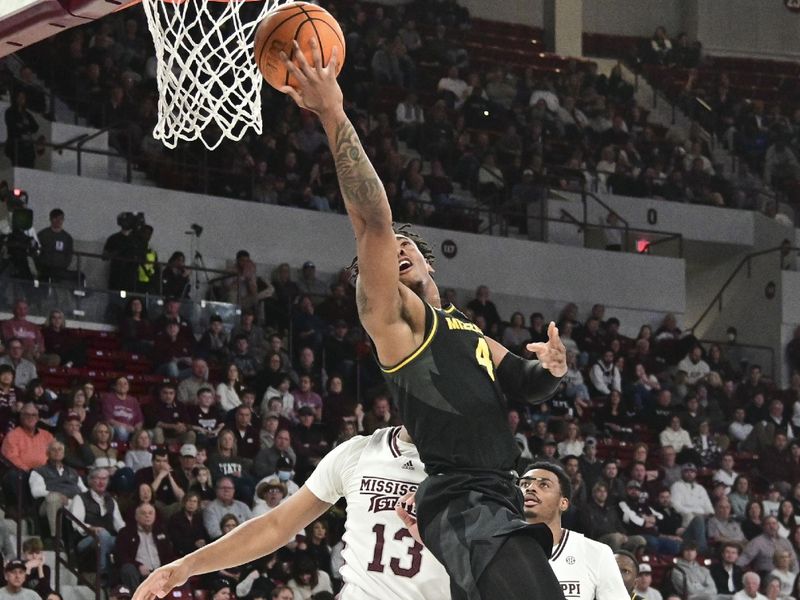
(299, 21)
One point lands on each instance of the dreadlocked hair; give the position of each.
(406, 231)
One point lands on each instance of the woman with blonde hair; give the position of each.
(106, 457)
(138, 455)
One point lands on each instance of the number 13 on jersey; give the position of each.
(484, 357)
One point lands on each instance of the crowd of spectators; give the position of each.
(433, 114)
(673, 448)
(729, 104)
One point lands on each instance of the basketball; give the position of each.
(299, 21)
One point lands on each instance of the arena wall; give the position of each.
(726, 27)
(521, 274)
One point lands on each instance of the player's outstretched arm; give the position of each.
(249, 541)
(531, 381)
(363, 193)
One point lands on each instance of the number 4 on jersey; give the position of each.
(484, 357)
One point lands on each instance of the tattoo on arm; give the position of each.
(362, 190)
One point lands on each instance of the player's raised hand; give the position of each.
(162, 581)
(405, 509)
(551, 353)
(318, 90)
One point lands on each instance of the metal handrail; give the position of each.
(79, 147)
(717, 300)
(724, 344)
(62, 514)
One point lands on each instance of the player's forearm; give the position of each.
(525, 380)
(362, 190)
(249, 541)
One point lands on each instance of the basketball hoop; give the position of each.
(209, 86)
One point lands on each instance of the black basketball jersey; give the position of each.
(449, 398)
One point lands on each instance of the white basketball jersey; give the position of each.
(382, 560)
(586, 569)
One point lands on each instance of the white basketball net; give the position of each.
(208, 82)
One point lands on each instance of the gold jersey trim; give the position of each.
(421, 348)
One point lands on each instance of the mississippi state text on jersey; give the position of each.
(382, 560)
(586, 569)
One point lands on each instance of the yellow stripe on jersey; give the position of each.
(419, 350)
(450, 308)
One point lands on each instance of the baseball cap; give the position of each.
(645, 568)
(688, 467)
(590, 441)
(242, 254)
(189, 450)
(309, 265)
(284, 464)
(305, 410)
(72, 416)
(120, 591)
(527, 172)
(634, 484)
(272, 415)
(219, 584)
(15, 563)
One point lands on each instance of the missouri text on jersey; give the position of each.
(384, 492)
(453, 323)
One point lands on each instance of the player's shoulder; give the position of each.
(590, 544)
(352, 447)
(381, 439)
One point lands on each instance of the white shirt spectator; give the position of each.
(605, 379)
(407, 113)
(227, 396)
(550, 99)
(648, 594)
(690, 500)
(78, 508)
(694, 371)
(39, 487)
(574, 448)
(677, 439)
(740, 431)
(457, 86)
(574, 117)
(796, 414)
(286, 398)
(741, 595)
(215, 510)
(786, 578)
(727, 478)
(24, 372)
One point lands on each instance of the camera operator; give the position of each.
(56, 249)
(148, 281)
(125, 249)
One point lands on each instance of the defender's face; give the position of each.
(412, 265)
(542, 496)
